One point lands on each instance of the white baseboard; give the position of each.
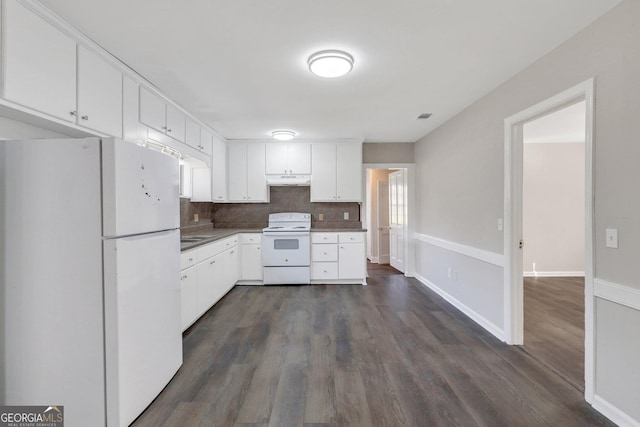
(473, 315)
(553, 274)
(614, 414)
(374, 259)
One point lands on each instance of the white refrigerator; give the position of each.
(90, 280)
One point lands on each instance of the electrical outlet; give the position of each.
(196, 217)
(346, 215)
(320, 217)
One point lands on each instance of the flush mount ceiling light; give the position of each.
(283, 134)
(330, 63)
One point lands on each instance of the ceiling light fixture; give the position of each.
(283, 135)
(330, 63)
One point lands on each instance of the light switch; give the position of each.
(346, 215)
(612, 238)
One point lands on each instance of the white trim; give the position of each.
(470, 251)
(553, 274)
(373, 260)
(615, 292)
(513, 287)
(472, 314)
(614, 414)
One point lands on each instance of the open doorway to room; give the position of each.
(515, 264)
(386, 217)
(553, 219)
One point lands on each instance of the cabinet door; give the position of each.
(323, 176)
(192, 133)
(276, 158)
(208, 274)
(256, 178)
(152, 110)
(200, 185)
(251, 262)
(351, 261)
(237, 172)
(99, 94)
(349, 173)
(206, 141)
(231, 270)
(218, 170)
(189, 297)
(299, 158)
(176, 122)
(132, 129)
(39, 63)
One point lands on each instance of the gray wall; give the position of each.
(460, 176)
(388, 152)
(553, 208)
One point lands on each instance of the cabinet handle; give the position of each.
(325, 253)
(73, 113)
(164, 127)
(168, 130)
(339, 197)
(212, 262)
(258, 248)
(291, 171)
(190, 259)
(85, 117)
(232, 252)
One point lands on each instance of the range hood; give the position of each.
(300, 180)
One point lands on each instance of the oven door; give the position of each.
(286, 249)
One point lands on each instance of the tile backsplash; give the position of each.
(256, 215)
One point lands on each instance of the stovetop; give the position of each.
(289, 221)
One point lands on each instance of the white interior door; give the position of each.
(397, 217)
(383, 223)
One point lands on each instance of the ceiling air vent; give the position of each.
(424, 116)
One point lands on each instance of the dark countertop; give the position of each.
(213, 234)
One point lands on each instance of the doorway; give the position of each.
(513, 220)
(386, 212)
(553, 234)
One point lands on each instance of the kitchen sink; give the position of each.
(195, 239)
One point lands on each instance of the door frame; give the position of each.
(409, 251)
(513, 172)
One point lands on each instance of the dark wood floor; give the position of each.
(554, 324)
(389, 354)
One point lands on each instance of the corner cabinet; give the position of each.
(336, 172)
(246, 172)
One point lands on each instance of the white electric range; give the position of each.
(286, 249)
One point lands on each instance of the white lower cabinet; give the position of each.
(251, 259)
(189, 297)
(338, 257)
(208, 273)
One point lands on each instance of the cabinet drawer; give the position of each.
(324, 237)
(229, 242)
(212, 249)
(320, 252)
(251, 238)
(351, 237)
(324, 270)
(187, 259)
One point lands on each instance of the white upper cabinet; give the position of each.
(39, 63)
(192, 133)
(206, 141)
(337, 172)
(99, 94)
(218, 170)
(246, 172)
(166, 118)
(176, 121)
(288, 158)
(47, 71)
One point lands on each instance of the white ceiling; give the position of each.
(566, 125)
(240, 65)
